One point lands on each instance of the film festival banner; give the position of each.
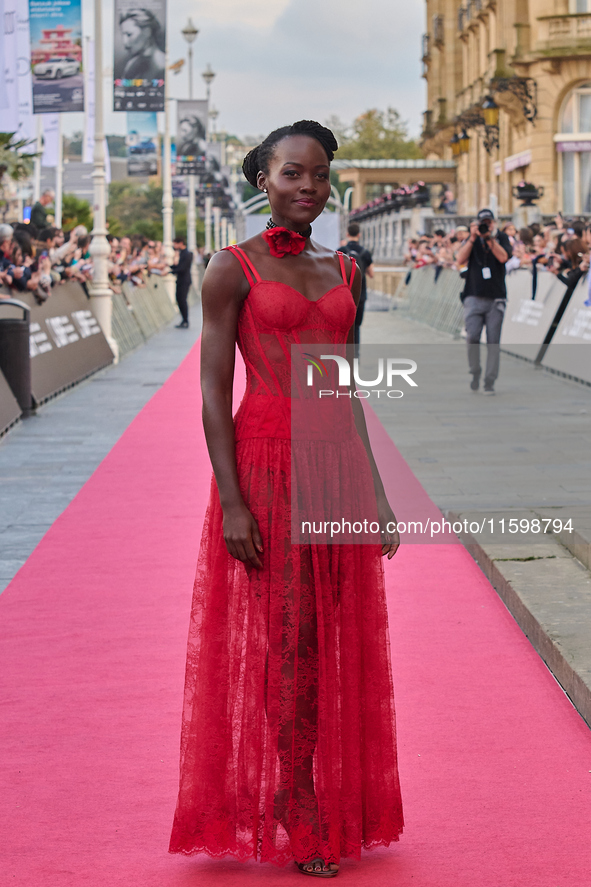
(56, 55)
(214, 181)
(139, 59)
(191, 137)
(142, 143)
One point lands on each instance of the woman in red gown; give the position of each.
(288, 747)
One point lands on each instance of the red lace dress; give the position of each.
(288, 746)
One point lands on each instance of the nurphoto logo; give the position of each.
(387, 371)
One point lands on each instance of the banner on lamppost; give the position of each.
(89, 118)
(56, 55)
(10, 114)
(27, 126)
(142, 143)
(214, 181)
(139, 55)
(51, 128)
(191, 135)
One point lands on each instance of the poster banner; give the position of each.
(191, 134)
(27, 124)
(139, 59)
(88, 144)
(3, 92)
(10, 114)
(56, 55)
(214, 182)
(51, 128)
(142, 143)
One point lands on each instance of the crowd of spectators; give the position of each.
(562, 248)
(35, 260)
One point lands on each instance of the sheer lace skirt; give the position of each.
(288, 743)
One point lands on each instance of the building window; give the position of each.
(575, 6)
(573, 142)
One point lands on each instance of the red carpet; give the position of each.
(495, 763)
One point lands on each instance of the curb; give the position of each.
(571, 682)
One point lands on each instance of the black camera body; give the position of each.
(483, 228)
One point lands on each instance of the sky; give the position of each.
(277, 61)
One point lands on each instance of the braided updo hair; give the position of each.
(258, 159)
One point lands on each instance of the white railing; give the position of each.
(557, 31)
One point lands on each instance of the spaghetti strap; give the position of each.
(251, 273)
(342, 264)
(343, 272)
(353, 267)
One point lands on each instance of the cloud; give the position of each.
(318, 59)
(283, 60)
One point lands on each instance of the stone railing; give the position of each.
(564, 33)
(385, 234)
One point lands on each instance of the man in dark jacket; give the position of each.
(364, 259)
(182, 269)
(39, 212)
(485, 294)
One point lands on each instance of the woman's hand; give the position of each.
(242, 535)
(391, 538)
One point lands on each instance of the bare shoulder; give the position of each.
(224, 278)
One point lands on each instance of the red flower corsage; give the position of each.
(283, 242)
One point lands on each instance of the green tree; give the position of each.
(76, 212)
(137, 209)
(375, 135)
(13, 163)
(117, 146)
(74, 145)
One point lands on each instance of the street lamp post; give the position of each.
(100, 291)
(213, 115)
(167, 248)
(190, 32)
(59, 175)
(208, 75)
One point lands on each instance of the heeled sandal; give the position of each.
(324, 871)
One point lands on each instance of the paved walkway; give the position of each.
(46, 459)
(523, 455)
(530, 444)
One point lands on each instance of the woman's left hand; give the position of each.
(387, 518)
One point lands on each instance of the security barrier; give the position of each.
(435, 300)
(66, 341)
(125, 328)
(570, 349)
(538, 329)
(527, 320)
(9, 409)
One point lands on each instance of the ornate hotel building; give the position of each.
(509, 96)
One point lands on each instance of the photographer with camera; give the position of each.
(484, 297)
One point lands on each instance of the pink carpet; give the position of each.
(495, 762)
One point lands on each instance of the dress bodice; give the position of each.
(274, 319)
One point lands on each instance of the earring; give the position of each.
(265, 190)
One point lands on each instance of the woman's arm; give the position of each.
(223, 291)
(385, 513)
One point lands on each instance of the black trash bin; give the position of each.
(15, 360)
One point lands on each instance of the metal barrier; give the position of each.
(553, 329)
(10, 412)
(66, 343)
(436, 301)
(125, 328)
(140, 312)
(15, 361)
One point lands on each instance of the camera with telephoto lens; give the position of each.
(483, 228)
